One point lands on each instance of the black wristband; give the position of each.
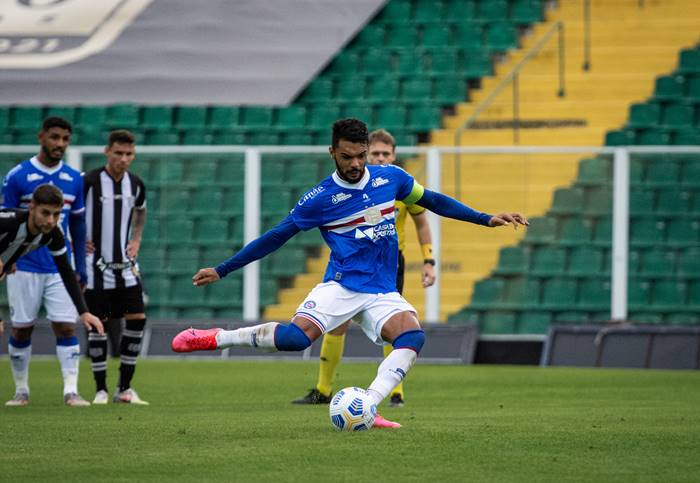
(430, 261)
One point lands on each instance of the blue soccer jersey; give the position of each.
(357, 222)
(17, 189)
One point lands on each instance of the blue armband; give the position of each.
(448, 207)
(258, 248)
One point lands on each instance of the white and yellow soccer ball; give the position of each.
(352, 409)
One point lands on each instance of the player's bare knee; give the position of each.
(22, 333)
(63, 329)
(398, 324)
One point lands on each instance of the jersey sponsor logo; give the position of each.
(8, 214)
(365, 197)
(374, 233)
(309, 304)
(41, 34)
(337, 198)
(311, 194)
(34, 177)
(65, 176)
(373, 215)
(379, 181)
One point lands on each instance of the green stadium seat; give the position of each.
(207, 199)
(498, 322)
(468, 36)
(493, 10)
(319, 89)
(637, 168)
(644, 115)
(671, 202)
(524, 12)
(257, 116)
(678, 115)
(593, 172)
(160, 117)
(638, 294)
(575, 231)
(416, 89)
(669, 87)
(212, 229)
(350, 89)
(26, 137)
(346, 62)
(66, 112)
(268, 292)
(263, 138)
(395, 11)
(27, 117)
(358, 110)
(291, 117)
(652, 137)
(223, 117)
(410, 64)
(683, 233)
(641, 201)
(390, 116)
(522, 292)
(647, 232)
(558, 293)
(424, 117)
(151, 232)
(177, 230)
(323, 116)
(401, 35)
(501, 36)
(567, 201)
(427, 10)
(377, 62)
(513, 261)
(488, 293)
(689, 263)
(658, 262)
(548, 261)
(459, 10)
(449, 90)
(182, 259)
(223, 137)
(122, 116)
(693, 289)
(444, 62)
(174, 198)
(686, 137)
(184, 294)
(287, 262)
(435, 35)
(662, 172)
(169, 172)
(383, 89)
(477, 65)
(619, 138)
(599, 202)
(6, 136)
(594, 294)
(668, 294)
(371, 35)
(648, 318)
(93, 117)
(273, 171)
(693, 88)
(190, 117)
(196, 136)
(157, 137)
(278, 203)
(232, 171)
(689, 61)
(4, 117)
(201, 172)
(297, 137)
(541, 230)
(534, 322)
(585, 261)
(221, 294)
(151, 259)
(571, 317)
(683, 319)
(88, 137)
(157, 288)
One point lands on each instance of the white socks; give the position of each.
(260, 336)
(19, 359)
(68, 352)
(391, 372)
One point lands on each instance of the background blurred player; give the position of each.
(382, 150)
(354, 209)
(22, 231)
(116, 214)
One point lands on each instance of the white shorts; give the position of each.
(28, 291)
(330, 305)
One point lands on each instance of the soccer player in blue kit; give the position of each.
(37, 281)
(354, 209)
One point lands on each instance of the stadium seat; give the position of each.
(487, 293)
(500, 36)
(689, 263)
(658, 262)
(190, 117)
(263, 138)
(346, 62)
(182, 259)
(318, 90)
(493, 10)
(662, 172)
(424, 117)
(122, 116)
(449, 90)
(683, 319)
(524, 12)
(256, 116)
(93, 117)
(689, 61)
(395, 11)
(643, 115)
(594, 294)
(410, 64)
(272, 171)
(435, 35)
(358, 110)
(350, 89)
(647, 232)
(459, 10)
(66, 112)
(678, 115)
(693, 88)
(157, 137)
(212, 229)
(521, 292)
(401, 35)
(468, 36)
(567, 201)
(477, 65)
(638, 294)
(223, 117)
(585, 261)
(668, 294)
(278, 203)
(27, 117)
(184, 294)
(683, 233)
(177, 230)
(571, 317)
(323, 116)
(207, 200)
(390, 116)
(575, 231)
(594, 172)
(498, 322)
(672, 202)
(443, 62)
(548, 261)
(377, 61)
(641, 201)
(652, 137)
(159, 117)
(196, 136)
(599, 202)
(686, 137)
(4, 117)
(619, 138)
(534, 322)
(669, 87)
(559, 293)
(371, 35)
(513, 261)
(383, 89)
(221, 294)
(541, 230)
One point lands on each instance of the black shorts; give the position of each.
(115, 303)
(399, 273)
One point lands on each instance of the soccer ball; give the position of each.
(352, 409)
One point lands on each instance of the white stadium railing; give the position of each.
(433, 180)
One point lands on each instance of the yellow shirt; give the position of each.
(400, 219)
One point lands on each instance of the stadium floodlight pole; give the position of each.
(251, 231)
(433, 182)
(620, 248)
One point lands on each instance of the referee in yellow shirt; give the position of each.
(382, 150)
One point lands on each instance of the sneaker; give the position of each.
(74, 399)
(129, 396)
(380, 422)
(101, 397)
(314, 397)
(190, 340)
(396, 401)
(20, 399)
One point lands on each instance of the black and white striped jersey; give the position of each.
(15, 239)
(109, 208)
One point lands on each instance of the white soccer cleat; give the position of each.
(129, 396)
(74, 399)
(101, 397)
(19, 399)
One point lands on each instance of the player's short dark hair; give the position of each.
(55, 121)
(382, 136)
(47, 194)
(350, 129)
(121, 136)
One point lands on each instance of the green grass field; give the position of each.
(233, 421)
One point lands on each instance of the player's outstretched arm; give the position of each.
(448, 207)
(255, 250)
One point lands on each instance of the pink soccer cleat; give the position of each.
(191, 340)
(380, 422)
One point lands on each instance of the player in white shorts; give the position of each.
(354, 209)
